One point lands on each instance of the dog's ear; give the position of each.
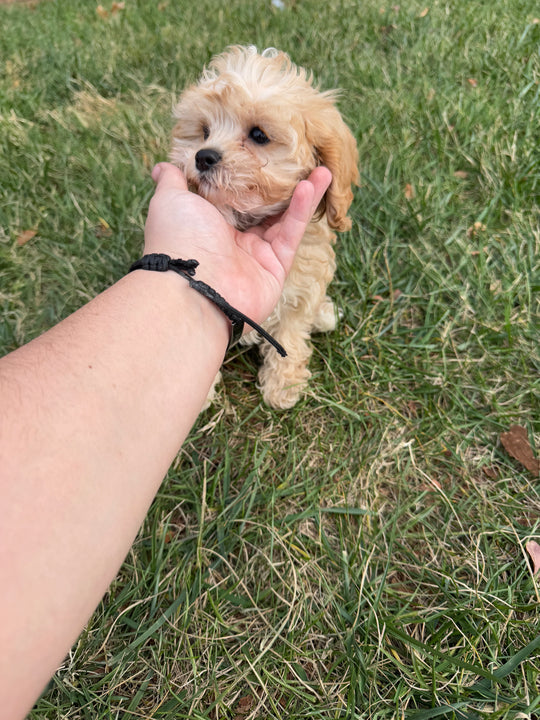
(335, 148)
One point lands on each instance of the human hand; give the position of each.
(247, 268)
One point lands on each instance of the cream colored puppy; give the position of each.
(246, 134)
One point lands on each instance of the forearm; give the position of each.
(93, 412)
(102, 403)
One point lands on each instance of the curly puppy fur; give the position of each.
(246, 134)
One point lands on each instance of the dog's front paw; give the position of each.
(327, 316)
(282, 390)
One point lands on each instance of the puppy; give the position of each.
(246, 134)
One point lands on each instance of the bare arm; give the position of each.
(94, 411)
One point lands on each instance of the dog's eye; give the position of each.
(205, 132)
(258, 136)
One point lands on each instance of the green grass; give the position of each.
(361, 556)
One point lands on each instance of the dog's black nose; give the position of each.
(206, 159)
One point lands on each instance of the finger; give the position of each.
(286, 235)
(168, 176)
(299, 212)
(320, 178)
(305, 201)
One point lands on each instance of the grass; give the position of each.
(363, 555)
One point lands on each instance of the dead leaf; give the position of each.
(424, 13)
(409, 191)
(461, 174)
(431, 486)
(528, 518)
(533, 548)
(244, 705)
(25, 236)
(103, 230)
(412, 408)
(115, 8)
(472, 82)
(516, 443)
(491, 472)
(476, 229)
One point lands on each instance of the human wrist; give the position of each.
(182, 305)
(161, 262)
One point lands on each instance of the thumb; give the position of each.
(168, 176)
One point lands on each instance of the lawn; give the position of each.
(363, 555)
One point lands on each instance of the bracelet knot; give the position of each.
(160, 262)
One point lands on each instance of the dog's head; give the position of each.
(252, 128)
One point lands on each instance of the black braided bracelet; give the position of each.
(186, 268)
